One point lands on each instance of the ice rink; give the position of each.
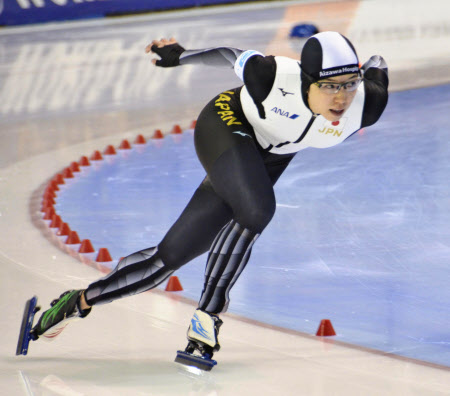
(361, 233)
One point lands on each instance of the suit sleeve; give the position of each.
(258, 75)
(219, 57)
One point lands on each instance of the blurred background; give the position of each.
(96, 71)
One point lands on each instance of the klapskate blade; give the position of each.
(27, 323)
(196, 361)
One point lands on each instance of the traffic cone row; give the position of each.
(62, 229)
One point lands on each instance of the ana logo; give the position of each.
(283, 113)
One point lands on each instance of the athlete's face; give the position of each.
(332, 106)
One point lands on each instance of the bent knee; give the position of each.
(256, 216)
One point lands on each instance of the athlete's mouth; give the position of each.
(337, 112)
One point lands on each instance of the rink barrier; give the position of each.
(59, 232)
(21, 12)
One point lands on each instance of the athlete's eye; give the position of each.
(328, 86)
(352, 85)
(332, 88)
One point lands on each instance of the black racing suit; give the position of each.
(233, 204)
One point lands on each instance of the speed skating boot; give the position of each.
(64, 309)
(203, 341)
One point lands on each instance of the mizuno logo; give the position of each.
(242, 134)
(285, 92)
(283, 113)
(198, 328)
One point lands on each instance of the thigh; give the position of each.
(276, 164)
(240, 178)
(194, 231)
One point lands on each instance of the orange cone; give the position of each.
(193, 124)
(45, 205)
(49, 212)
(64, 230)
(54, 185)
(110, 150)
(325, 329)
(56, 221)
(158, 134)
(174, 284)
(176, 130)
(96, 156)
(84, 161)
(73, 238)
(59, 179)
(86, 247)
(103, 256)
(49, 192)
(74, 167)
(140, 140)
(48, 201)
(125, 145)
(67, 174)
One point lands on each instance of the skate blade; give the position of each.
(200, 362)
(27, 324)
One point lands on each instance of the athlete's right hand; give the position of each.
(168, 50)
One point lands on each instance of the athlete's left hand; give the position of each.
(168, 50)
(375, 61)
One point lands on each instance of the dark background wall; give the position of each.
(20, 12)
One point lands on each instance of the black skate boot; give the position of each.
(203, 341)
(64, 309)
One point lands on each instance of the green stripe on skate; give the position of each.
(52, 312)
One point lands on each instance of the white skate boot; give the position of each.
(203, 340)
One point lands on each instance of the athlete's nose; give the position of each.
(340, 97)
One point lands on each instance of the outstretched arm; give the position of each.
(221, 57)
(253, 68)
(172, 54)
